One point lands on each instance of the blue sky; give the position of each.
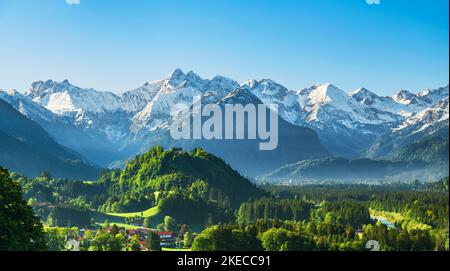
(118, 45)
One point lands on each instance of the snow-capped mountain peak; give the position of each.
(249, 83)
(64, 98)
(362, 91)
(429, 120)
(325, 94)
(177, 73)
(40, 87)
(267, 87)
(241, 96)
(364, 96)
(432, 96)
(179, 88)
(407, 98)
(337, 116)
(135, 100)
(219, 84)
(270, 92)
(327, 104)
(26, 106)
(176, 78)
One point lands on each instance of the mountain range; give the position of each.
(316, 122)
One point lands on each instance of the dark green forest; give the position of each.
(213, 207)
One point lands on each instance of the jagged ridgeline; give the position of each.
(160, 169)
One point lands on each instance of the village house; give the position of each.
(168, 239)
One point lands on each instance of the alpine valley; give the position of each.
(325, 133)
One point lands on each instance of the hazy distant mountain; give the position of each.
(339, 169)
(26, 148)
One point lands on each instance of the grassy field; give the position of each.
(400, 219)
(391, 216)
(155, 214)
(147, 213)
(157, 195)
(120, 225)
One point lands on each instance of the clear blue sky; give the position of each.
(118, 45)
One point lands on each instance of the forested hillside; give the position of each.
(192, 187)
(176, 168)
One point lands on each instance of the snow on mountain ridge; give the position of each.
(135, 100)
(27, 107)
(332, 112)
(178, 88)
(432, 96)
(64, 98)
(421, 121)
(364, 96)
(327, 93)
(322, 101)
(270, 92)
(404, 103)
(407, 98)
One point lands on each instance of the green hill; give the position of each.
(194, 188)
(164, 170)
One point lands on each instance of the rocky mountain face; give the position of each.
(105, 127)
(90, 134)
(179, 88)
(294, 143)
(430, 123)
(345, 125)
